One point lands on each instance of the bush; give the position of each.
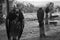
(2, 20)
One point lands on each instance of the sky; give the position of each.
(40, 2)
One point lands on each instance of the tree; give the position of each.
(1, 14)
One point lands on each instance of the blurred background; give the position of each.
(29, 9)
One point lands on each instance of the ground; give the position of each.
(31, 32)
